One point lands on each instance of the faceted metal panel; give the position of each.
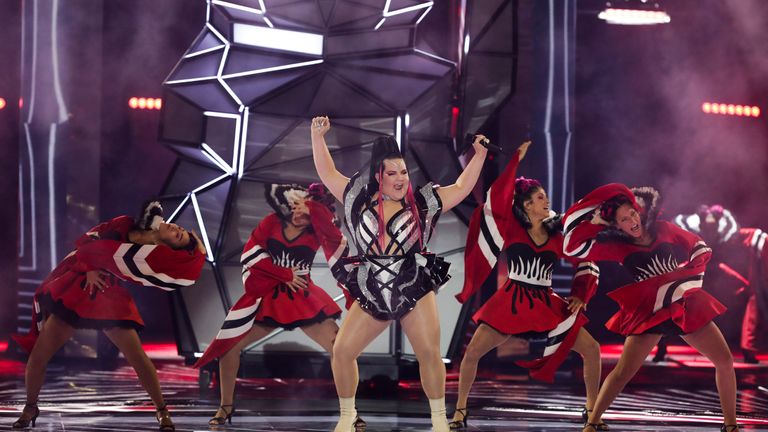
(250, 104)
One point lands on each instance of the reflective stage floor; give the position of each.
(671, 396)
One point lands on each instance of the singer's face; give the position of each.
(537, 207)
(394, 179)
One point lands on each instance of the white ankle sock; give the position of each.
(437, 412)
(347, 415)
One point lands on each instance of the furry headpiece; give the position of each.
(151, 216)
(281, 196)
(706, 214)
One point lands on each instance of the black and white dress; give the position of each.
(388, 283)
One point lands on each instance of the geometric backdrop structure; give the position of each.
(237, 108)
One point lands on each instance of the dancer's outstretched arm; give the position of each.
(452, 195)
(326, 169)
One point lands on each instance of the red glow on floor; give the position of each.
(11, 368)
(681, 355)
(161, 350)
(3, 346)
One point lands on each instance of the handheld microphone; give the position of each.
(493, 148)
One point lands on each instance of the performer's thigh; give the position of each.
(636, 348)
(256, 332)
(55, 333)
(128, 342)
(422, 325)
(357, 331)
(709, 341)
(324, 333)
(485, 339)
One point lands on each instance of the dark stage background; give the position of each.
(634, 116)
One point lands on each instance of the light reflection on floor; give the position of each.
(77, 398)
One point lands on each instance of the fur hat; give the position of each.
(281, 196)
(151, 215)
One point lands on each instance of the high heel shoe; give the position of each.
(163, 417)
(23, 423)
(729, 428)
(360, 425)
(602, 426)
(459, 424)
(218, 420)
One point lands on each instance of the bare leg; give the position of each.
(422, 327)
(636, 349)
(324, 333)
(484, 340)
(357, 331)
(229, 363)
(589, 350)
(128, 342)
(56, 332)
(709, 341)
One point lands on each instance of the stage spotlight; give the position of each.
(3, 103)
(635, 13)
(145, 103)
(730, 109)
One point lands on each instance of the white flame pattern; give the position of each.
(286, 260)
(656, 267)
(534, 272)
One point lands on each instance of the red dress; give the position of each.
(667, 296)
(106, 247)
(267, 260)
(525, 305)
(283, 307)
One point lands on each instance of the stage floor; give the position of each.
(666, 396)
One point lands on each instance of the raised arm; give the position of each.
(452, 195)
(326, 169)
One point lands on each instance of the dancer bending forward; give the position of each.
(84, 291)
(614, 223)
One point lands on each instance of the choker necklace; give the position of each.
(386, 197)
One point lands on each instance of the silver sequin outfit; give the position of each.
(388, 283)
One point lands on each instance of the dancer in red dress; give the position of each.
(278, 290)
(737, 274)
(525, 305)
(614, 223)
(84, 291)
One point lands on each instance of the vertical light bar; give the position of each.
(550, 95)
(243, 142)
(566, 84)
(398, 132)
(203, 232)
(63, 116)
(51, 193)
